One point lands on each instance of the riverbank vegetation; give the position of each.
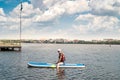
(61, 41)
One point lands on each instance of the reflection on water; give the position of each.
(102, 62)
(61, 74)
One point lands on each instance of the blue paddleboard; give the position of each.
(51, 65)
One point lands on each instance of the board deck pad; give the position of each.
(51, 65)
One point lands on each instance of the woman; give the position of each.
(61, 58)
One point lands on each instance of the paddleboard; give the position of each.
(51, 65)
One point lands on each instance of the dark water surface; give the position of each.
(102, 62)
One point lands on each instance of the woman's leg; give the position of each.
(58, 64)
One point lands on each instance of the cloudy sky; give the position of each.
(70, 19)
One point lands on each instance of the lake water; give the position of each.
(102, 62)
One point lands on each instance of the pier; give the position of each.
(13, 45)
(10, 47)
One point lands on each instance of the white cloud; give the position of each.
(2, 12)
(76, 6)
(37, 18)
(45, 4)
(27, 14)
(97, 24)
(27, 11)
(38, 4)
(105, 7)
(56, 8)
(50, 14)
(3, 19)
(2, 15)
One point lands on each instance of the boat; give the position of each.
(51, 65)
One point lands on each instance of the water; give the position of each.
(102, 62)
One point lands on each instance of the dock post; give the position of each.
(20, 49)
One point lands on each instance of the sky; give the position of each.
(69, 19)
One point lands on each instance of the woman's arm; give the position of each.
(60, 58)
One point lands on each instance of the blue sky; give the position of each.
(69, 19)
(9, 5)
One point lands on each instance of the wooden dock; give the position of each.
(10, 47)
